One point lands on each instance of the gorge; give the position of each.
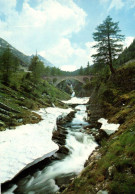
(80, 146)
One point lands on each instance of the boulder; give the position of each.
(102, 192)
(2, 124)
(63, 150)
(100, 136)
(20, 120)
(96, 125)
(111, 171)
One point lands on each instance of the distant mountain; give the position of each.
(45, 61)
(24, 59)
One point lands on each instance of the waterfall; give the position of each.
(73, 92)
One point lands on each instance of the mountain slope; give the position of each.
(24, 59)
(111, 168)
(45, 61)
(127, 55)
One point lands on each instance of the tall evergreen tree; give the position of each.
(47, 71)
(87, 70)
(37, 68)
(108, 43)
(81, 71)
(9, 64)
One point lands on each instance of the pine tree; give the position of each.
(9, 64)
(88, 69)
(81, 71)
(37, 68)
(108, 43)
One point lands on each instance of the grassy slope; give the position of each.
(23, 95)
(115, 170)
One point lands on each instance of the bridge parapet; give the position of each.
(57, 79)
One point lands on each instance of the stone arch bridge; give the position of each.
(57, 79)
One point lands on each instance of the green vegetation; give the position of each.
(114, 171)
(24, 60)
(22, 95)
(108, 43)
(37, 68)
(21, 92)
(112, 167)
(8, 64)
(127, 55)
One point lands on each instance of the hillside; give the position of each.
(111, 168)
(45, 61)
(24, 59)
(22, 95)
(127, 55)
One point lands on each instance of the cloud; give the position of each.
(68, 67)
(130, 4)
(117, 4)
(103, 1)
(7, 6)
(92, 50)
(46, 27)
(89, 45)
(67, 54)
(128, 41)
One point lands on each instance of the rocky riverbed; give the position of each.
(75, 147)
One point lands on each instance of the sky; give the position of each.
(61, 30)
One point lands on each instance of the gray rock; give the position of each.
(63, 150)
(20, 120)
(22, 98)
(102, 192)
(111, 170)
(24, 107)
(2, 124)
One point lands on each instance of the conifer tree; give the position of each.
(81, 71)
(87, 70)
(108, 43)
(9, 64)
(37, 68)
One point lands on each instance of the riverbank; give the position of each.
(17, 103)
(21, 119)
(111, 168)
(28, 144)
(70, 157)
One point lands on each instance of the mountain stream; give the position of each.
(59, 172)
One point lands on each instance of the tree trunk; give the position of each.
(111, 68)
(110, 55)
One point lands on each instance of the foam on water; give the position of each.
(81, 146)
(75, 100)
(28, 144)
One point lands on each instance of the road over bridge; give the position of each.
(57, 79)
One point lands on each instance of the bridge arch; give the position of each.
(62, 78)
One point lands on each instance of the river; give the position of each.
(58, 172)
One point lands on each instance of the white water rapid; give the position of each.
(80, 144)
(73, 92)
(28, 144)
